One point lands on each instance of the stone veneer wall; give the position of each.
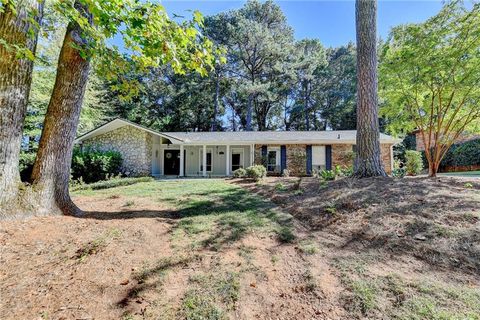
(341, 155)
(135, 146)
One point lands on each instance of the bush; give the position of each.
(462, 154)
(328, 175)
(240, 173)
(413, 162)
(257, 172)
(111, 183)
(398, 169)
(27, 159)
(95, 165)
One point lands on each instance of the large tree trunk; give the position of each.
(368, 161)
(215, 103)
(15, 81)
(51, 171)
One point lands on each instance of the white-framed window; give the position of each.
(209, 160)
(319, 161)
(237, 158)
(273, 159)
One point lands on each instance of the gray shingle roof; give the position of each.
(271, 136)
(244, 137)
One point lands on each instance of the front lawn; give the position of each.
(282, 248)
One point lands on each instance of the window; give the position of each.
(318, 158)
(237, 159)
(273, 159)
(209, 160)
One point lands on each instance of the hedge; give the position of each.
(95, 165)
(112, 183)
(462, 154)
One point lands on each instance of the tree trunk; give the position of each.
(368, 160)
(433, 169)
(15, 81)
(51, 171)
(306, 106)
(215, 104)
(249, 113)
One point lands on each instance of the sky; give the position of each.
(333, 22)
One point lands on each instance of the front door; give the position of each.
(171, 162)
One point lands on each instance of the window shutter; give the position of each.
(328, 157)
(309, 159)
(264, 156)
(283, 158)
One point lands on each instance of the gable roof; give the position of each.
(118, 123)
(243, 137)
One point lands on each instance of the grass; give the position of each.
(211, 215)
(463, 173)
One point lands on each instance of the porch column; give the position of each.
(204, 161)
(227, 161)
(182, 161)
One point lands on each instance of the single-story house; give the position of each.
(148, 152)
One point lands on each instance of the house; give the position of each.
(148, 152)
(420, 146)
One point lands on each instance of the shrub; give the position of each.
(413, 162)
(240, 173)
(462, 154)
(398, 169)
(328, 175)
(111, 183)
(27, 159)
(257, 172)
(95, 165)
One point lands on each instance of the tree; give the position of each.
(338, 89)
(430, 79)
(51, 171)
(165, 42)
(19, 27)
(368, 161)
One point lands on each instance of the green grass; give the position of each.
(463, 173)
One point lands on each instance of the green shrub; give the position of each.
(257, 172)
(462, 154)
(111, 183)
(413, 162)
(95, 165)
(240, 173)
(27, 159)
(328, 175)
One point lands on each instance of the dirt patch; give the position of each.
(210, 253)
(414, 230)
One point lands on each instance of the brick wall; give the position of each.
(341, 155)
(462, 138)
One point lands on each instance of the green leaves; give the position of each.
(430, 73)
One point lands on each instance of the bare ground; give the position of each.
(378, 249)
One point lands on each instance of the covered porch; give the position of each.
(203, 160)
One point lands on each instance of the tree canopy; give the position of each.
(430, 79)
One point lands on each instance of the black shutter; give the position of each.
(309, 159)
(283, 158)
(328, 157)
(264, 156)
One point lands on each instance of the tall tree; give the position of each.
(51, 171)
(165, 42)
(430, 79)
(19, 27)
(368, 161)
